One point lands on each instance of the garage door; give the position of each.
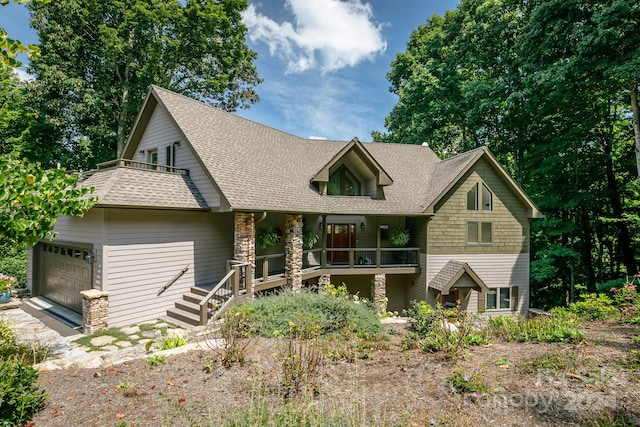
(65, 274)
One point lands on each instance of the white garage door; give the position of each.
(64, 274)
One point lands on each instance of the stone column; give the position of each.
(244, 243)
(323, 280)
(379, 292)
(293, 252)
(95, 314)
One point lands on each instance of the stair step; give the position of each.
(190, 307)
(183, 316)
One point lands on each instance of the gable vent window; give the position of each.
(343, 183)
(479, 199)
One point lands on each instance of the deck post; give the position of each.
(323, 254)
(378, 243)
(293, 251)
(244, 242)
(265, 270)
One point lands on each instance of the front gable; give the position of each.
(353, 171)
(156, 139)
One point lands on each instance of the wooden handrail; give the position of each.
(205, 301)
(141, 165)
(172, 281)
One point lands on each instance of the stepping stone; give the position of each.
(102, 340)
(123, 344)
(130, 330)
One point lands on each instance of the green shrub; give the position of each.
(594, 307)
(467, 383)
(541, 329)
(13, 262)
(19, 394)
(421, 317)
(173, 341)
(9, 347)
(335, 314)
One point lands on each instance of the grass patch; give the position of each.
(112, 332)
(540, 329)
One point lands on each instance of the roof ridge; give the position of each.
(466, 153)
(233, 114)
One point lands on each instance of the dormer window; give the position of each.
(479, 197)
(343, 183)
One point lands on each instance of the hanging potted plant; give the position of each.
(399, 237)
(266, 236)
(309, 238)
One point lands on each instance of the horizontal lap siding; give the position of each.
(148, 248)
(495, 270)
(160, 133)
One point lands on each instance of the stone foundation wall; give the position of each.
(244, 243)
(95, 311)
(293, 252)
(379, 292)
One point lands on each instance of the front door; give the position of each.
(340, 237)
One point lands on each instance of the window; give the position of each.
(343, 183)
(479, 232)
(498, 298)
(152, 157)
(473, 198)
(487, 199)
(170, 155)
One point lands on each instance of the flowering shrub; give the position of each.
(468, 384)
(627, 300)
(7, 283)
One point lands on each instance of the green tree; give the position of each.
(32, 198)
(15, 120)
(11, 48)
(98, 59)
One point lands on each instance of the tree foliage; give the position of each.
(99, 58)
(549, 86)
(32, 198)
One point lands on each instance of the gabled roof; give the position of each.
(140, 188)
(256, 167)
(449, 171)
(451, 273)
(354, 146)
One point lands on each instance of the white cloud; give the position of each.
(23, 75)
(325, 34)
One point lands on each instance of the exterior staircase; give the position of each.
(187, 310)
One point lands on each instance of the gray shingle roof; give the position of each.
(450, 273)
(260, 168)
(257, 167)
(144, 188)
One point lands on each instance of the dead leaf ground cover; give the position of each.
(595, 383)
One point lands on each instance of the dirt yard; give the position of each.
(591, 383)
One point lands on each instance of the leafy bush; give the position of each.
(594, 307)
(335, 314)
(13, 262)
(465, 383)
(541, 329)
(432, 331)
(236, 333)
(19, 394)
(9, 347)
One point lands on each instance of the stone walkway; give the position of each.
(104, 350)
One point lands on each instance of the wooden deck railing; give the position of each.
(140, 165)
(273, 265)
(228, 290)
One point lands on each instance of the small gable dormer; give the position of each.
(352, 172)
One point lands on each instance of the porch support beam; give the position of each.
(244, 244)
(379, 292)
(293, 251)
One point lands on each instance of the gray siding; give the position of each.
(88, 229)
(496, 270)
(148, 248)
(160, 133)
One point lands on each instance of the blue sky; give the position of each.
(323, 62)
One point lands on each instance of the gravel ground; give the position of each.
(388, 387)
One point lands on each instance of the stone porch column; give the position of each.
(293, 252)
(244, 243)
(323, 280)
(379, 292)
(95, 311)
